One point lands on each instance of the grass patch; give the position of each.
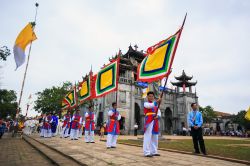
(238, 149)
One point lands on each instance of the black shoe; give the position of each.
(156, 154)
(149, 155)
(92, 142)
(205, 153)
(108, 147)
(196, 153)
(113, 147)
(87, 142)
(72, 139)
(75, 139)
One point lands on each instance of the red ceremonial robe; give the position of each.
(66, 121)
(149, 117)
(47, 122)
(113, 126)
(90, 124)
(76, 122)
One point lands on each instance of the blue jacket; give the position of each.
(198, 120)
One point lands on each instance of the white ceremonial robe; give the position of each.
(150, 141)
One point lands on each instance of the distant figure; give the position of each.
(89, 125)
(54, 124)
(76, 122)
(2, 128)
(42, 125)
(66, 125)
(151, 126)
(113, 127)
(135, 129)
(195, 121)
(102, 130)
(47, 126)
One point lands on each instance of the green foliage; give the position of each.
(4, 53)
(241, 120)
(208, 114)
(8, 104)
(50, 99)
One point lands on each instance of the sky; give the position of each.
(73, 35)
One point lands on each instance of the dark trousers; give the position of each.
(135, 132)
(198, 137)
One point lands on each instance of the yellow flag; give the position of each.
(25, 37)
(247, 116)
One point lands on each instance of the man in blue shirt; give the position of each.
(195, 121)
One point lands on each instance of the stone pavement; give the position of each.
(16, 152)
(97, 154)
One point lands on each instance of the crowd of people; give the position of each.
(73, 126)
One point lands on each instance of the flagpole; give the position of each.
(26, 68)
(171, 69)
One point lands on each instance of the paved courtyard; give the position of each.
(97, 154)
(16, 152)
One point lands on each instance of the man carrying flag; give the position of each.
(155, 66)
(151, 126)
(89, 125)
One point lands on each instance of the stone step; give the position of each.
(55, 156)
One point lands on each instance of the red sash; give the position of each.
(150, 113)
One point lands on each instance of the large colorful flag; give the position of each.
(247, 116)
(106, 80)
(84, 91)
(71, 98)
(25, 37)
(158, 62)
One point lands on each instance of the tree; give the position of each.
(8, 104)
(50, 99)
(208, 114)
(241, 120)
(4, 53)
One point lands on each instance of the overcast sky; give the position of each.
(72, 35)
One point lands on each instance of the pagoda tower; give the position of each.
(184, 81)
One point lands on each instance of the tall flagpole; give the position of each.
(26, 68)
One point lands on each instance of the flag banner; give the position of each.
(71, 98)
(106, 80)
(157, 64)
(84, 92)
(65, 104)
(247, 116)
(25, 37)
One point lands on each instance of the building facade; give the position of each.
(174, 107)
